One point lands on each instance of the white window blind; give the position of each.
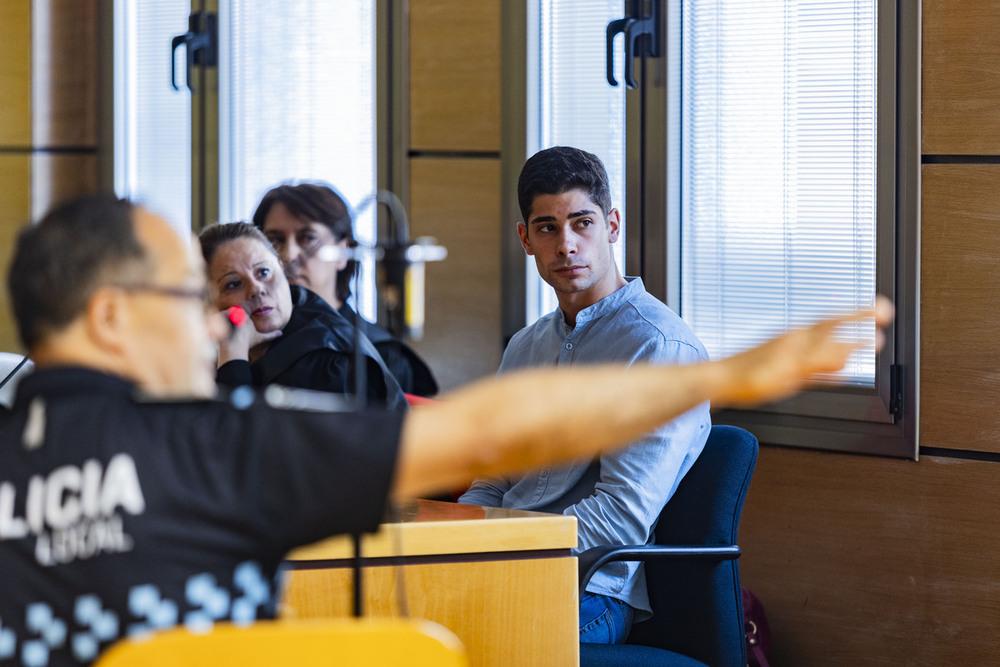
(152, 120)
(778, 169)
(297, 102)
(571, 103)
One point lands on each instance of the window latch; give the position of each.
(896, 379)
(201, 44)
(643, 36)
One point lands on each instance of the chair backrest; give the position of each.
(696, 604)
(342, 642)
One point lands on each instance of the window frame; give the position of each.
(207, 179)
(880, 421)
(851, 419)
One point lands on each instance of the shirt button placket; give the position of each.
(566, 354)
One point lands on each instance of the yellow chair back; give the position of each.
(340, 642)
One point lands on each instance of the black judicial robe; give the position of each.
(316, 351)
(412, 373)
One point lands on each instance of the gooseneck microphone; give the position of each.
(400, 267)
(401, 290)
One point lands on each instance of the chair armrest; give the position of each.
(593, 559)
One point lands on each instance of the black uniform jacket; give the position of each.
(120, 515)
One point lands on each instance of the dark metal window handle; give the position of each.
(615, 27)
(634, 26)
(201, 44)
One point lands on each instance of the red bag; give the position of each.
(757, 630)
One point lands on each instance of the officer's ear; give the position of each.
(107, 317)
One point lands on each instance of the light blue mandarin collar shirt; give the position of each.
(617, 501)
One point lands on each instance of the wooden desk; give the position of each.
(504, 581)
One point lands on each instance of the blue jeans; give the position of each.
(603, 619)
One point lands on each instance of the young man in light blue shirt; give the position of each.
(570, 228)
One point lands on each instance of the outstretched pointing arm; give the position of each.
(536, 417)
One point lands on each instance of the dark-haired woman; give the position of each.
(300, 219)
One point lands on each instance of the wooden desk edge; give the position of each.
(524, 533)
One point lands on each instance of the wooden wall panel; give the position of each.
(872, 561)
(960, 290)
(64, 73)
(458, 202)
(455, 75)
(961, 65)
(15, 210)
(15, 73)
(57, 177)
(48, 83)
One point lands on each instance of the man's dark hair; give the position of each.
(215, 236)
(315, 202)
(59, 262)
(559, 169)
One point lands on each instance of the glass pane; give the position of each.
(571, 103)
(778, 169)
(152, 120)
(297, 102)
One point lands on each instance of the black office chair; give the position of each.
(691, 570)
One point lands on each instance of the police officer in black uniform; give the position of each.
(123, 510)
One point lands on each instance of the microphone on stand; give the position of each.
(401, 267)
(402, 270)
(401, 287)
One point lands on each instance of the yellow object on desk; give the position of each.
(504, 581)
